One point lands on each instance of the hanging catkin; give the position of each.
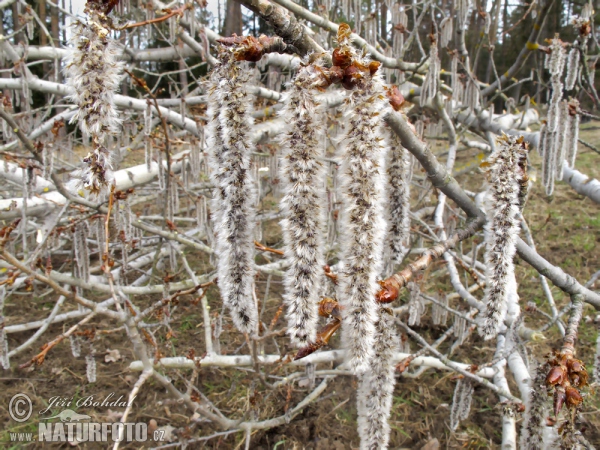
(562, 137)
(430, 84)
(507, 173)
(535, 412)
(461, 402)
(82, 256)
(375, 393)
(398, 173)
(463, 8)
(303, 204)
(572, 68)
(572, 132)
(94, 72)
(235, 192)
(399, 23)
(445, 31)
(4, 359)
(363, 223)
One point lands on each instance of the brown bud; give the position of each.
(335, 75)
(389, 291)
(341, 57)
(374, 67)
(352, 76)
(403, 365)
(559, 399)
(329, 307)
(395, 97)
(555, 376)
(575, 365)
(573, 396)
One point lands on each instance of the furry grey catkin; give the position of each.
(235, 197)
(375, 393)
(398, 172)
(572, 68)
(461, 402)
(363, 217)
(304, 206)
(572, 134)
(506, 177)
(94, 72)
(532, 430)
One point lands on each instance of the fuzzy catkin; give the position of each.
(430, 84)
(214, 138)
(235, 193)
(506, 175)
(532, 430)
(90, 368)
(363, 218)
(398, 173)
(561, 139)
(572, 68)
(461, 402)
(4, 359)
(303, 205)
(94, 72)
(572, 133)
(375, 393)
(596, 373)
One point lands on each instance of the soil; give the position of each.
(566, 229)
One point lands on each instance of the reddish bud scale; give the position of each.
(389, 291)
(555, 376)
(559, 399)
(573, 397)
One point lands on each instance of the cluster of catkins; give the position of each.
(369, 182)
(94, 72)
(508, 188)
(558, 137)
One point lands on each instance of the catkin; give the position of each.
(398, 172)
(375, 393)
(535, 413)
(572, 68)
(235, 193)
(506, 176)
(461, 402)
(4, 359)
(445, 31)
(363, 217)
(597, 361)
(430, 84)
(94, 72)
(572, 132)
(90, 370)
(303, 205)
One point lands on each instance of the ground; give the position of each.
(566, 229)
